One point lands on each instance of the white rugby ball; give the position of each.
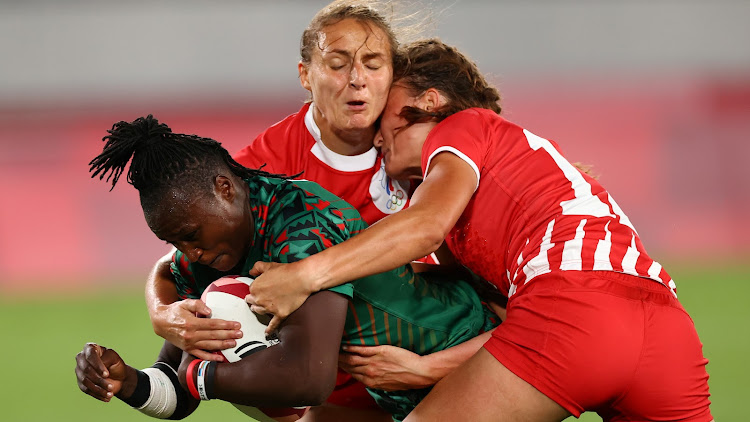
(226, 299)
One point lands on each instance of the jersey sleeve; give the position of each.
(462, 134)
(259, 154)
(277, 149)
(302, 224)
(192, 279)
(187, 288)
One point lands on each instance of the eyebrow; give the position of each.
(365, 56)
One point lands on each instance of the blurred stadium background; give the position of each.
(655, 95)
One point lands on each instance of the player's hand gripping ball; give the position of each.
(226, 298)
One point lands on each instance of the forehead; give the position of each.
(351, 36)
(175, 212)
(398, 97)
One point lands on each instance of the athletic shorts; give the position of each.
(601, 341)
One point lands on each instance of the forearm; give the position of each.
(160, 287)
(401, 237)
(300, 370)
(396, 240)
(279, 376)
(439, 364)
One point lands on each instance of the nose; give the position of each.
(357, 76)
(378, 139)
(193, 254)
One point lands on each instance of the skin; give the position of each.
(420, 228)
(216, 230)
(504, 397)
(349, 78)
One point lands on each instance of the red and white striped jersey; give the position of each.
(532, 212)
(293, 146)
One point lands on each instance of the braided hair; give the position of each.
(163, 160)
(430, 63)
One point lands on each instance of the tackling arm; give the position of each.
(175, 320)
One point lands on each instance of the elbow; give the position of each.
(431, 236)
(315, 386)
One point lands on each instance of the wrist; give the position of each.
(129, 384)
(433, 369)
(316, 278)
(158, 318)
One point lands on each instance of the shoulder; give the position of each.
(293, 121)
(473, 117)
(277, 144)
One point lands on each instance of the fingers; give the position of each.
(91, 373)
(258, 309)
(205, 355)
(259, 268)
(361, 350)
(274, 324)
(195, 306)
(351, 362)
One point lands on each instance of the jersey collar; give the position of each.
(339, 162)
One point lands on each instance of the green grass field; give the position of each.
(43, 334)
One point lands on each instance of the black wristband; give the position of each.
(210, 378)
(142, 391)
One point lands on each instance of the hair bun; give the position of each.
(144, 128)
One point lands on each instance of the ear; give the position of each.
(303, 79)
(224, 188)
(430, 100)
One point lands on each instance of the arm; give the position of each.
(300, 370)
(420, 229)
(393, 368)
(175, 320)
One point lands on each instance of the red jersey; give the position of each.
(293, 146)
(532, 211)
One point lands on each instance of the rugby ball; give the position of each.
(226, 299)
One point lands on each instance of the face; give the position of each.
(349, 76)
(400, 143)
(216, 232)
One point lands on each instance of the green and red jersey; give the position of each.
(295, 219)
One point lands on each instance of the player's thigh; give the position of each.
(483, 389)
(332, 413)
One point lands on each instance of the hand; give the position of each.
(178, 324)
(386, 368)
(101, 372)
(278, 289)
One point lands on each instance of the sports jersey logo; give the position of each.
(387, 194)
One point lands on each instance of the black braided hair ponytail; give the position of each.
(163, 160)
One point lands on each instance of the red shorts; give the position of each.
(351, 393)
(612, 343)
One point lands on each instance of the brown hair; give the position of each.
(361, 10)
(430, 63)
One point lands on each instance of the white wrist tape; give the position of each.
(162, 401)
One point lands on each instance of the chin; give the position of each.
(360, 122)
(224, 264)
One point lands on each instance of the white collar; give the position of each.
(360, 162)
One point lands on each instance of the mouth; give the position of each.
(213, 261)
(356, 105)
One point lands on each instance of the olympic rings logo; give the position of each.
(396, 200)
